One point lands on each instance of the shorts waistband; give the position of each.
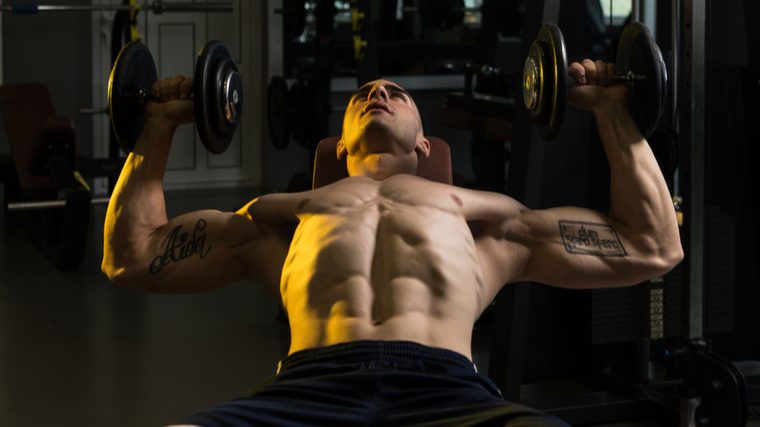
(368, 351)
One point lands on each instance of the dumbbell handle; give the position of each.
(532, 76)
(627, 79)
(230, 109)
(93, 111)
(48, 204)
(158, 7)
(147, 96)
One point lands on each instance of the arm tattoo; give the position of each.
(179, 248)
(588, 238)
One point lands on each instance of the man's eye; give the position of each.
(359, 96)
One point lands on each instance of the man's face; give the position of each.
(381, 118)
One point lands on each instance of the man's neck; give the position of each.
(380, 166)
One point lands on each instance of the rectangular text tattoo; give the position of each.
(179, 248)
(588, 238)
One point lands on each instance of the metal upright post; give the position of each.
(635, 11)
(692, 134)
(324, 13)
(693, 58)
(511, 317)
(365, 41)
(675, 51)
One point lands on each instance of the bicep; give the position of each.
(580, 248)
(195, 252)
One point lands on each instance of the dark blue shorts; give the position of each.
(374, 383)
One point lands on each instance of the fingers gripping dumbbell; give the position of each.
(217, 94)
(639, 64)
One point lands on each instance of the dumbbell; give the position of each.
(217, 94)
(639, 64)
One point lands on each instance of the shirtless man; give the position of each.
(383, 274)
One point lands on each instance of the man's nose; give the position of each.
(378, 91)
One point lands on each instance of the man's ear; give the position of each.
(423, 147)
(341, 150)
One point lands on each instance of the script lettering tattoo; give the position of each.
(588, 238)
(178, 247)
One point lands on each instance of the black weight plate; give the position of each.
(554, 76)
(537, 87)
(133, 70)
(294, 17)
(638, 53)
(664, 144)
(663, 80)
(229, 97)
(278, 109)
(215, 134)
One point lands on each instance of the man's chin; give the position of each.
(378, 130)
(375, 117)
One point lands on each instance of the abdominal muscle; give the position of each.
(382, 271)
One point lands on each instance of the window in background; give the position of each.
(619, 9)
(472, 19)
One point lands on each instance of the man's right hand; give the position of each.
(592, 92)
(172, 105)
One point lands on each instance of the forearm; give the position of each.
(137, 207)
(640, 199)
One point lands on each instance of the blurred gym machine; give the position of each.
(370, 38)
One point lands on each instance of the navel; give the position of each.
(457, 200)
(303, 204)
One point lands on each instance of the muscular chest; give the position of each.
(383, 253)
(366, 229)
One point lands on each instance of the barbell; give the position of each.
(49, 204)
(217, 94)
(158, 7)
(639, 65)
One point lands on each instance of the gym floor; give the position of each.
(76, 350)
